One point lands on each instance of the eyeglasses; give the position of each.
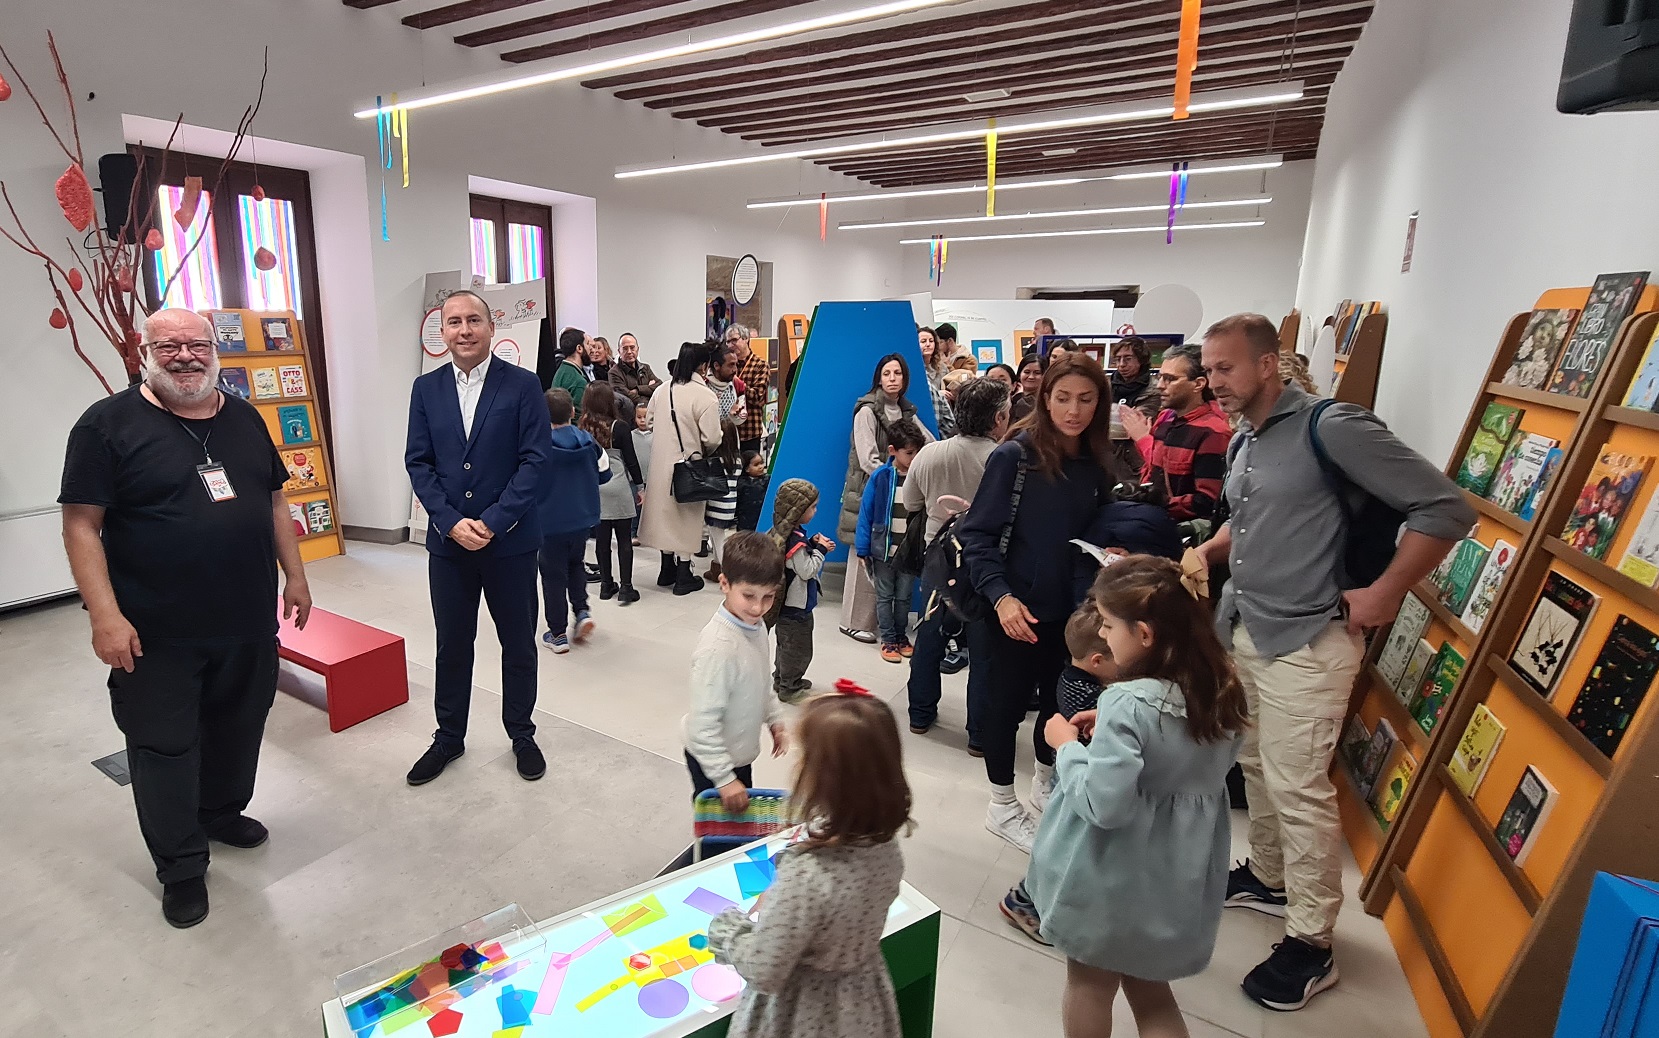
(199, 347)
(1164, 377)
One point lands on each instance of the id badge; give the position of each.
(217, 483)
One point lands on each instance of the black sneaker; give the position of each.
(953, 663)
(531, 764)
(626, 595)
(607, 590)
(1291, 976)
(1244, 890)
(592, 572)
(241, 831)
(184, 903)
(432, 764)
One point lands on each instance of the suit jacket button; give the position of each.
(469, 493)
(467, 465)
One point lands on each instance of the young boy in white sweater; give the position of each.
(731, 675)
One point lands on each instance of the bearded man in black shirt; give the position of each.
(174, 520)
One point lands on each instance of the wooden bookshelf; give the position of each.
(256, 358)
(1359, 342)
(1504, 979)
(1492, 511)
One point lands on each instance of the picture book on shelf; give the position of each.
(318, 516)
(265, 385)
(1539, 347)
(234, 380)
(227, 332)
(302, 470)
(1551, 632)
(292, 377)
(1390, 791)
(279, 335)
(1441, 572)
(1641, 559)
(1612, 298)
(1402, 638)
(1486, 446)
(1618, 682)
(1467, 559)
(1541, 485)
(1485, 593)
(1603, 502)
(1518, 472)
(1644, 388)
(1416, 670)
(1518, 827)
(1355, 737)
(297, 513)
(295, 423)
(1437, 687)
(1376, 755)
(1474, 753)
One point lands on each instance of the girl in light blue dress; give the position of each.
(1129, 868)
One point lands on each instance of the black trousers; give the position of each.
(508, 585)
(700, 781)
(621, 529)
(1015, 668)
(564, 577)
(193, 717)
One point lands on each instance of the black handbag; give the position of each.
(696, 478)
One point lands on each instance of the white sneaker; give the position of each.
(1013, 823)
(1040, 794)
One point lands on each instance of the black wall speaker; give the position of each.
(116, 173)
(1612, 58)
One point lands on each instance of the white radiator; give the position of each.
(33, 565)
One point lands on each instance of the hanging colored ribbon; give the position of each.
(400, 129)
(991, 168)
(823, 216)
(1177, 197)
(933, 258)
(1186, 56)
(382, 133)
(943, 244)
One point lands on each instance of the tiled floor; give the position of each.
(359, 864)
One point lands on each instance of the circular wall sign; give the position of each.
(432, 333)
(507, 350)
(745, 279)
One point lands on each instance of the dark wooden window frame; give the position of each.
(501, 212)
(290, 185)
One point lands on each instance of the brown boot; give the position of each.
(713, 575)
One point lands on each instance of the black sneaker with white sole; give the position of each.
(1291, 976)
(1244, 890)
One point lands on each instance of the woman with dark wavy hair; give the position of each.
(1060, 455)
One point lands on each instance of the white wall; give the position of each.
(1252, 269)
(652, 235)
(1448, 108)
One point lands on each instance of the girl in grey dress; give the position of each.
(811, 956)
(617, 498)
(1129, 868)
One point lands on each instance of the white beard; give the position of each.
(166, 386)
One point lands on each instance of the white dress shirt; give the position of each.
(469, 386)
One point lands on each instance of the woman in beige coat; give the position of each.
(685, 415)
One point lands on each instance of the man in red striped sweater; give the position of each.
(1186, 448)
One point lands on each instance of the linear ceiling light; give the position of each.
(1271, 162)
(1159, 228)
(1048, 215)
(486, 87)
(1119, 113)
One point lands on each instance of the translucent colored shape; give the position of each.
(753, 877)
(493, 951)
(639, 961)
(631, 917)
(705, 900)
(197, 284)
(268, 227)
(716, 983)
(444, 1023)
(451, 957)
(663, 999)
(403, 1018)
(515, 1006)
(699, 941)
(471, 959)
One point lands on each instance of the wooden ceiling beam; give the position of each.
(460, 12)
(363, 5)
(970, 113)
(1212, 152)
(993, 29)
(1056, 91)
(938, 83)
(629, 33)
(929, 28)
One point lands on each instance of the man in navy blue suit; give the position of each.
(478, 437)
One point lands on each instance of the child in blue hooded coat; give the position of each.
(569, 510)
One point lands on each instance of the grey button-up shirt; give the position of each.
(1287, 524)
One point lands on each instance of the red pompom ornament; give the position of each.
(153, 240)
(75, 281)
(264, 259)
(5, 89)
(75, 197)
(258, 193)
(58, 319)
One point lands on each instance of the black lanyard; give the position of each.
(201, 441)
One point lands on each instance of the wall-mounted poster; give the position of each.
(987, 352)
(732, 295)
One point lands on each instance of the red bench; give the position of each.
(363, 667)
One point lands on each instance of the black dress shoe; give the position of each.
(241, 831)
(184, 903)
(432, 764)
(592, 572)
(531, 764)
(626, 595)
(953, 662)
(607, 590)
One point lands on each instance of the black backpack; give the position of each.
(945, 564)
(1372, 526)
